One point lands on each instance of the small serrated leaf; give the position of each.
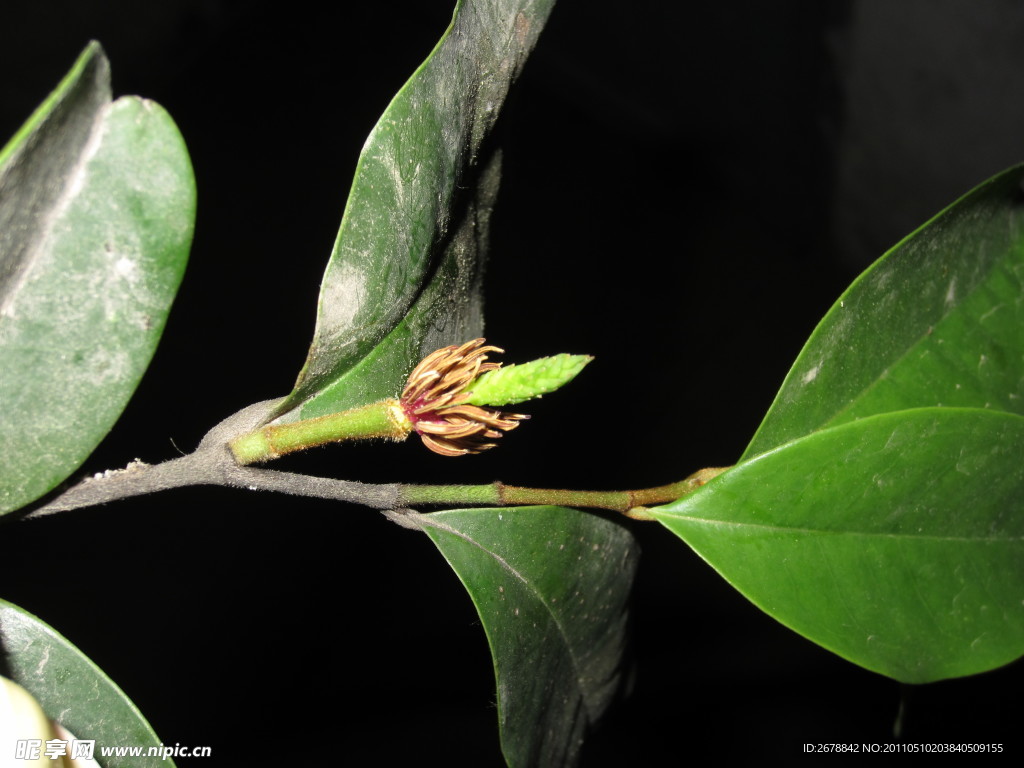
(525, 381)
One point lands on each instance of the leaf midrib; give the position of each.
(837, 417)
(826, 532)
(576, 664)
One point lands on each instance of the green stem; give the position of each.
(384, 419)
(630, 503)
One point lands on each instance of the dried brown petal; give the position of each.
(434, 401)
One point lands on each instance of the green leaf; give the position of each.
(71, 689)
(97, 203)
(879, 509)
(937, 321)
(448, 311)
(404, 276)
(895, 541)
(551, 586)
(526, 381)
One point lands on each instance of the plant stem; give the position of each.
(213, 464)
(630, 503)
(213, 467)
(384, 419)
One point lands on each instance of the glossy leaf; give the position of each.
(448, 311)
(71, 689)
(97, 203)
(879, 510)
(551, 587)
(937, 321)
(895, 541)
(405, 270)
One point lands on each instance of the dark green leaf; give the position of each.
(71, 689)
(97, 203)
(895, 541)
(406, 265)
(551, 587)
(448, 311)
(939, 320)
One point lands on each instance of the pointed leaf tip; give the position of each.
(526, 381)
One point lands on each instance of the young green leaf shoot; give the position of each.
(443, 402)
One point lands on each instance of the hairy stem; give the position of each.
(384, 419)
(139, 479)
(215, 463)
(206, 468)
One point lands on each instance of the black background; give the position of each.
(687, 189)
